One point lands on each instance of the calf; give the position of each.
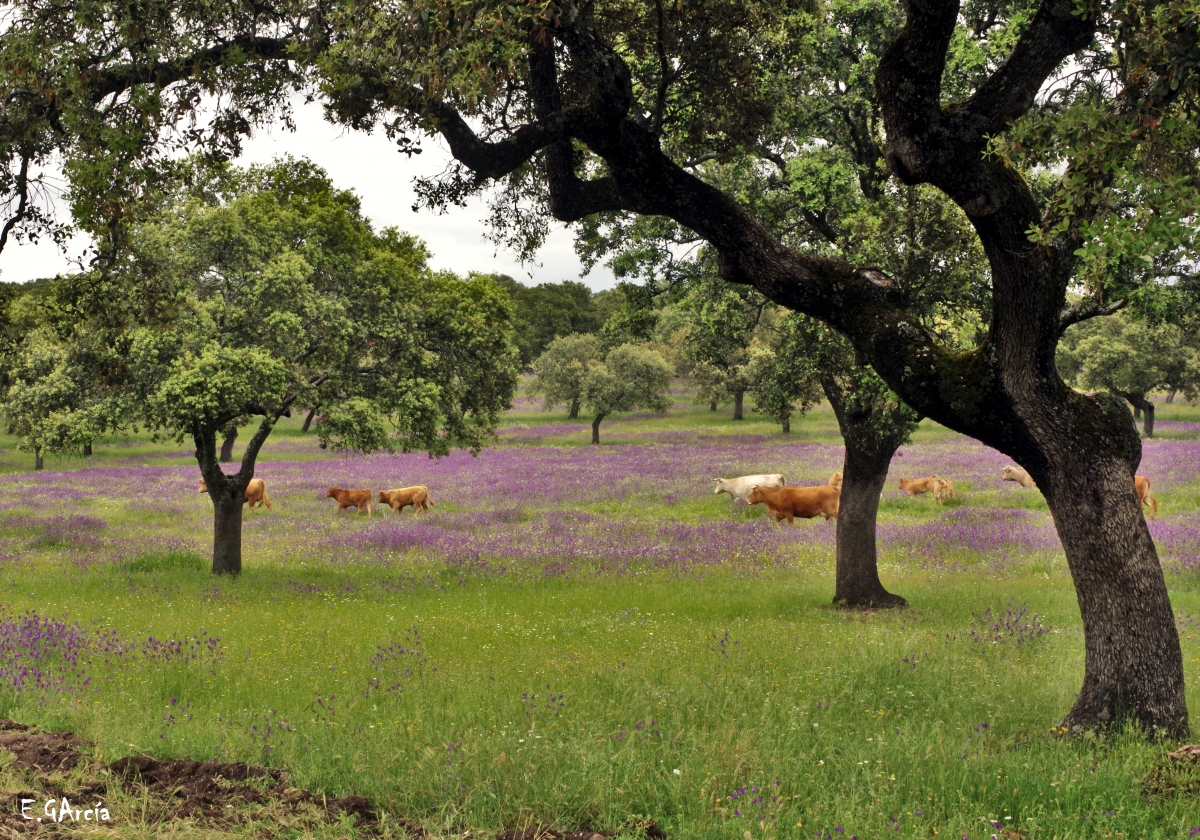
(417, 496)
(739, 488)
(917, 486)
(357, 499)
(1145, 495)
(1018, 475)
(256, 492)
(835, 480)
(805, 502)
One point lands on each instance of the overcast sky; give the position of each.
(371, 166)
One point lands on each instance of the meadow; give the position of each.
(587, 637)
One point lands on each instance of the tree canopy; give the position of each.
(261, 290)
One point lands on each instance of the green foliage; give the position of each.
(1130, 357)
(630, 377)
(563, 369)
(546, 311)
(785, 379)
(278, 294)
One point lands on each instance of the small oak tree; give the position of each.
(1130, 358)
(562, 369)
(270, 291)
(630, 377)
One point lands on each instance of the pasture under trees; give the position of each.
(574, 624)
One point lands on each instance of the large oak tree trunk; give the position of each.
(739, 398)
(312, 412)
(38, 462)
(1134, 665)
(596, 428)
(1170, 396)
(712, 405)
(787, 425)
(87, 450)
(573, 413)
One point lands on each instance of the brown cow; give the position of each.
(1018, 475)
(917, 486)
(417, 496)
(256, 492)
(943, 491)
(805, 502)
(1145, 494)
(357, 499)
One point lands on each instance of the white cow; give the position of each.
(739, 488)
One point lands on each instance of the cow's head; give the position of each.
(332, 492)
(719, 485)
(755, 496)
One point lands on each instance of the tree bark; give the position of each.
(873, 426)
(227, 530)
(787, 425)
(1137, 412)
(596, 428)
(573, 413)
(87, 450)
(712, 405)
(1133, 666)
(308, 420)
(227, 446)
(38, 462)
(739, 397)
(1170, 396)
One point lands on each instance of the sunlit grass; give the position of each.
(510, 699)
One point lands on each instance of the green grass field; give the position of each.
(725, 700)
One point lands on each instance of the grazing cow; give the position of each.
(1018, 475)
(417, 496)
(357, 499)
(739, 488)
(943, 491)
(256, 492)
(805, 502)
(1145, 494)
(835, 480)
(917, 486)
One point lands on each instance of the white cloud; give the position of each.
(370, 165)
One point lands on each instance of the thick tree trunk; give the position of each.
(312, 412)
(863, 476)
(87, 450)
(1133, 666)
(1137, 412)
(1148, 424)
(38, 463)
(1170, 396)
(227, 531)
(573, 414)
(787, 425)
(596, 428)
(227, 446)
(712, 405)
(739, 397)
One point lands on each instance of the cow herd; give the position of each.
(806, 502)
(782, 502)
(398, 499)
